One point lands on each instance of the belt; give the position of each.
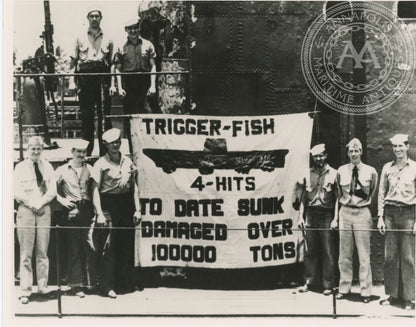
(136, 71)
(116, 196)
(355, 207)
(400, 205)
(319, 208)
(93, 66)
(83, 201)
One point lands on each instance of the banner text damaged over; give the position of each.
(216, 192)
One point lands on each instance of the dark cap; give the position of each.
(131, 22)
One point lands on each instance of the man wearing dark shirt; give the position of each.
(136, 55)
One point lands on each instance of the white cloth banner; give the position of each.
(216, 192)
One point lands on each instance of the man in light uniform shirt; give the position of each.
(93, 54)
(35, 188)
(78, 194)
(356, 188)
(317, 194)
(396, 211)
(117, 183)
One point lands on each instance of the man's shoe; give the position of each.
(111, 294)
(140, 286)
(77, 291)
(24, 300)
(408, 305)
(327, 292)
(366, 299)
(341, 296)
(80, 294)
(303, 288)
(65, 288)
(389, 301)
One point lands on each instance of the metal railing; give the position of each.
(59, 293)
(61, 82)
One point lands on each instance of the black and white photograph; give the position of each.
(214, 161)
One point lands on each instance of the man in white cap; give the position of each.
(317, 195)
(34, 189)
(93, 54)
(78, 195)
(396, 211)
(134, 88)
(117, 184)
(356, 189)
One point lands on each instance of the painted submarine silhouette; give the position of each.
(215, 156)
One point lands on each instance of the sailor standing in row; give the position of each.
(78, 194)
(356, 187)
(317, 194)
(117, 184)
(35, 188)
(396, 210)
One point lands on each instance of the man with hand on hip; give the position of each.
(78, 194)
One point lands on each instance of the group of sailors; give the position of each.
(328, 199)
(91, 199)
(94, 52)
(107, 195)
(94, 198)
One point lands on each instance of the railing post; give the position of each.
(103, 103)
(58, 270)
(62, 85)
(19, 111)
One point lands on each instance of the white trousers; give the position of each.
(31, 237)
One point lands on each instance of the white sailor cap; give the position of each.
(35, 140)
(354, 143)
(317, 149)
(92, 9)
(131, 22)
(111, 135)
(79, 144)
(399, 138)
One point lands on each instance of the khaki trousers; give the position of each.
(354, 232)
